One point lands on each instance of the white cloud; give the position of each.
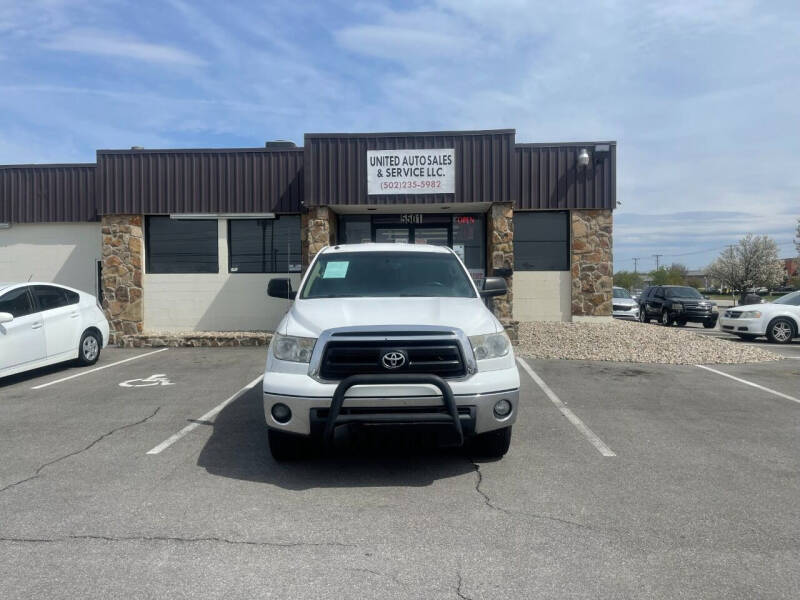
(88, 41)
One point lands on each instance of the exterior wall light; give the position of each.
(583, 157)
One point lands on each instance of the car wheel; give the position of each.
(747, 337)
(643, 316)
(89, 348)
(665, 320)
(709, 324)
(492, 444)
(780, 331)
(287, 446)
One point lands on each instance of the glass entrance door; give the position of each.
(393, 235)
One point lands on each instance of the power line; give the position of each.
(636, 264)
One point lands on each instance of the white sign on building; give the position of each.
(411, 171)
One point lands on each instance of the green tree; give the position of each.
(675, 274)
(628, 280)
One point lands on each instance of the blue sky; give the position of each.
(702, 97)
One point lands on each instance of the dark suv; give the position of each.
(676, 304)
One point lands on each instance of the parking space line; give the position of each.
(590, 435)
(750, 383)
(114, 364)
(205, 419)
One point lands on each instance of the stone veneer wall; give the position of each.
(501, 256)
(122, 274)
(591, 263)
(318, 230)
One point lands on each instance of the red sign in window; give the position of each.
(465, 220)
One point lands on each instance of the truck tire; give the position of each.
(643, 318)
(492, 444)
(665, 320)
(287, 446)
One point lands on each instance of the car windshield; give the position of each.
(387, 274)
(792, 299)
(681, 292)
(621, 293)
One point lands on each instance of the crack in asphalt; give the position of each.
(166, 538)
(459, 587)
(488, 501)
(42, 467)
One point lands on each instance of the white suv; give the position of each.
(389, 335)
(43, 324)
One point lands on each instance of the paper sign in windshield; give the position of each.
(336, 269)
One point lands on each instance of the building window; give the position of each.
(265, 245)
(469, 242)
(181, 246)
(541, 241)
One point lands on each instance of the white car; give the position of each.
(779, 320)
(623, 305)
(393, 335)
(43, 324)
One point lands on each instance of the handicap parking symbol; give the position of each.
(157, 379)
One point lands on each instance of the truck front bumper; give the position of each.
(476, 411)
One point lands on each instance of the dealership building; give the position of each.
(185, 240)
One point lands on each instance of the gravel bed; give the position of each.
(624, 341)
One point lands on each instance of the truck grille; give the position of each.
(437, 357)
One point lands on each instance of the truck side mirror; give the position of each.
(494, 286)
(281, 287)
(6, 317)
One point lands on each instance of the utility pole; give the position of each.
(658, 256)
(636, 264)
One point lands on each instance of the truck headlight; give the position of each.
(491, 345)
(295, 349)
(750, 314)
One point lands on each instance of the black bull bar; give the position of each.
(335, 418)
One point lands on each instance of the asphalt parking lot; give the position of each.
(696, 498)
(791, 350)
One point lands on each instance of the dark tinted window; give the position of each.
(182, 246)
(682, 292)
(541, 241)
(469, 241)
(265, 245)
(49, 297)
(17, 302)
(355, 229)
(72, 297)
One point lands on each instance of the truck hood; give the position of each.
(309, 318)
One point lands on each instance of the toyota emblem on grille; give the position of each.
(393, 359)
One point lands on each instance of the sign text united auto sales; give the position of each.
(411, 171)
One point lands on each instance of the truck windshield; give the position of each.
(682, 292)
(387, 274)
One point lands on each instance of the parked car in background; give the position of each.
(636, 293)
(676, 304)
(779, 320)
(43, 324)
(623, 305)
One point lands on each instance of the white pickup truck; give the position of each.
(389, 335)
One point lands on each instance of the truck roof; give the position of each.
(375, 247)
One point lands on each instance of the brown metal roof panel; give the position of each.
(547, 177)
(206, 181)
(47, 193)
(336, 166)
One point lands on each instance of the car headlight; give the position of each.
(750, 314)
(295, 349)
(491, 345)
(714, 308)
